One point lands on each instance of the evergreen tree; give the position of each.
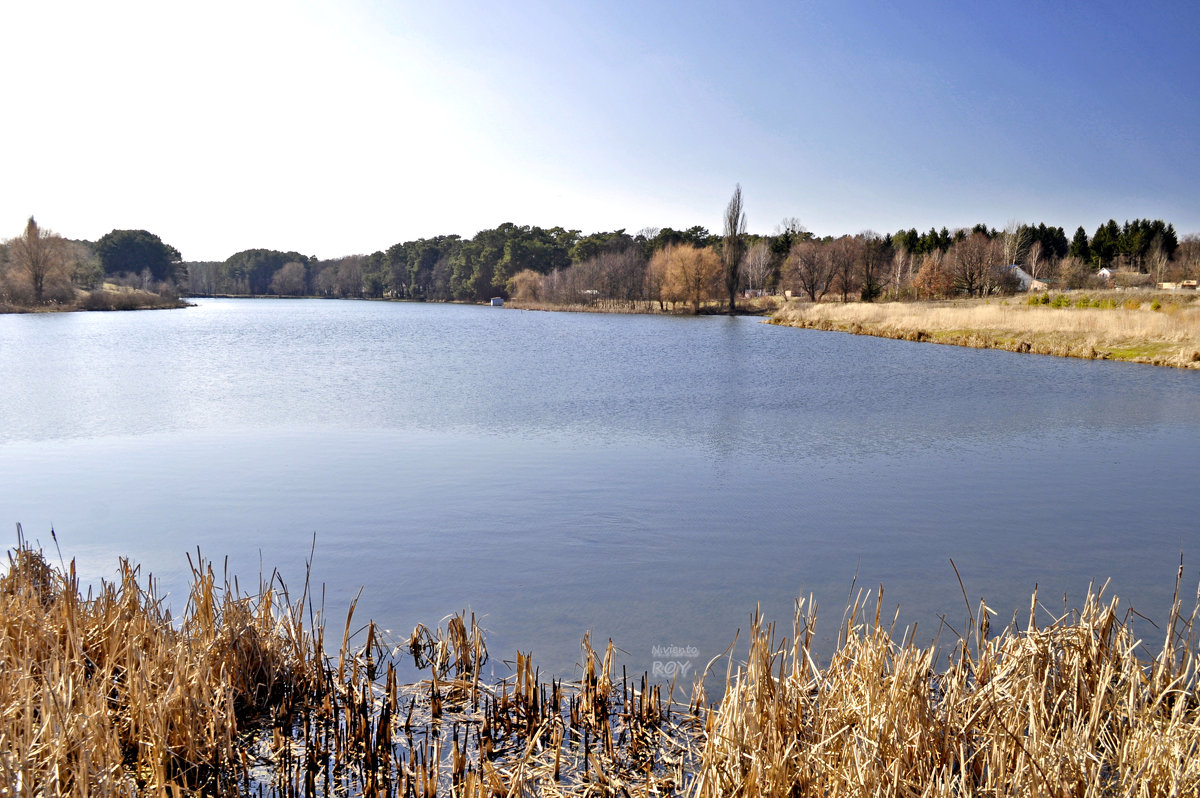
(1080, 247)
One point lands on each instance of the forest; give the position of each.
(664, 268)
(653, 269)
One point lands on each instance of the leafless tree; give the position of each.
(844, 255)
(289, 279)
(934, 279)
(325, 281)
(1187, 257)
(621, 275)
(972, 262)
(871, 265)
(731, 251)
(1158, 258)
(901, 270)
(810, 269)
(526, 285)
(790, 225)
(41, 255)
(756, 265)
(1015, 240)
(1034, 261)
(349, 281)
(688, 273)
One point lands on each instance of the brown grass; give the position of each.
(1169, 336)
(106, 694)
(1068, 708)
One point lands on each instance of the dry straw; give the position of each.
(107, 694)
(1121, 330)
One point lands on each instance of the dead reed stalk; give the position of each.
(107, 694)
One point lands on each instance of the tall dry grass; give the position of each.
(1068, 708)
(1167, 336)
(107, 694)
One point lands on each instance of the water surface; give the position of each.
(649, 479)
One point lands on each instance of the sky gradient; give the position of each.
(336, 128)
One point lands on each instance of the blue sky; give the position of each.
(335, 128)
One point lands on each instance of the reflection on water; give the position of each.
(650, 479)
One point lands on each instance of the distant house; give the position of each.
(1028, 281)
(1191, 285)
(497, 301)
(1107, 273)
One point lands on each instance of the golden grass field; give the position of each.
(1166, 336)
(105, 693)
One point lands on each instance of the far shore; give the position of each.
(1161, 329)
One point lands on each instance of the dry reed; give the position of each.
(1169, 336)
(105, 694)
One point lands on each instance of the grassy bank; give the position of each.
(107, 298)
(1160, 329)
(108, 694)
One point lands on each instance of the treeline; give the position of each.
(662, 267)
(444, 268)
(667, 268)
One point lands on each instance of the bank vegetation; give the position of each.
(107, 693)
(1143, 327)
(40, 271)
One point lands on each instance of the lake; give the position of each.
(651, 479)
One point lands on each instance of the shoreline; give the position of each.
(1159, 334)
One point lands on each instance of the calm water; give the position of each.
(650, 479)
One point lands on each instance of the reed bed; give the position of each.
(1132, 330)
(1066, 708)
(106, 694)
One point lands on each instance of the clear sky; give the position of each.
(335, 127)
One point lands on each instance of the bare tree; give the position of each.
(1187, 257)
(1158, 258)
(809, 268)
(756, 265)
(731, 252)
(1015, 238)
(843, 253)
(526, 285)
(349, 281)
(871, 264)
(971, 263)
(934, 279)
(687, 273)
(41, 255)
(289, 279)
(325, 281)
(901, 270)
(1033, 260)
